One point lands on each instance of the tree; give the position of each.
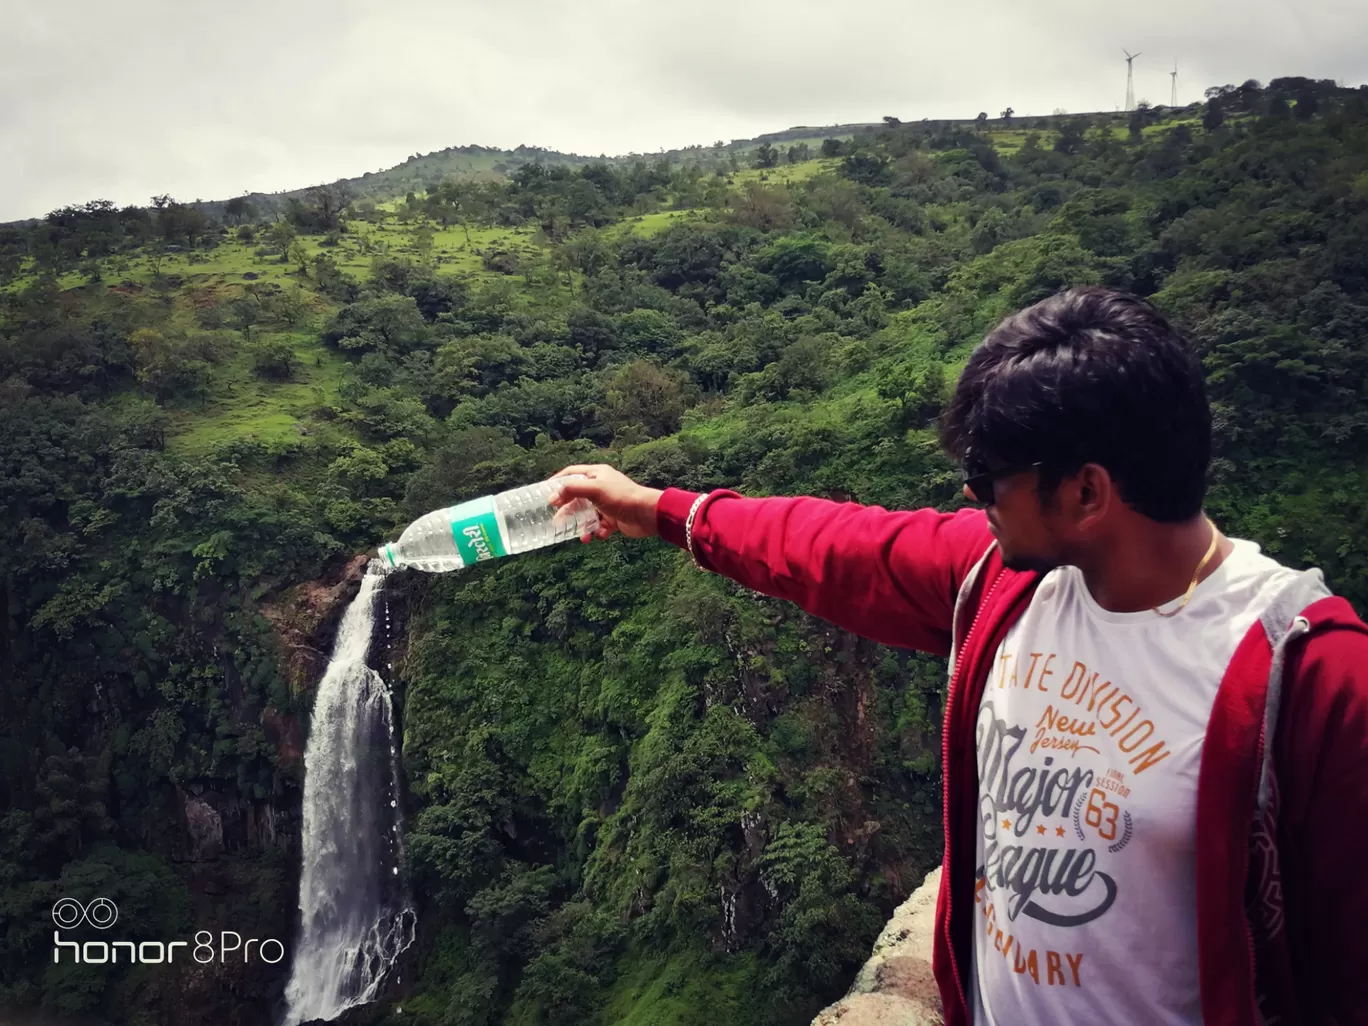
(462, 202)
(477, 365)
(238, 209)
(390, 323)
(586, 252)
(759, 206)
(1140, 117)
(1277, 108)
(803, 370)
(176, 221)
(288, 307)
(274, 358)
(422, 242)
(1007, 115)
(14, 244)
(648, 398)
(585, 204)
(297, 255)
(243, 313)
(1071, 134)
(1308, 103)
(1214, 116)
(332, 280)
(174, 364)
(799, 153)
(766, 155)
(992, 228)
(194, 223)
(320, 211)
(982, 119)
(328, 204)
(813, 888)
(866, 168)
(281, 235)
(919, 392)
(156, 253)
(832, 147)
(361, 471)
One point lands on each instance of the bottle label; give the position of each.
(475, 527)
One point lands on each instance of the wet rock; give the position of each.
(306, 616)
(205, 828)
(215, 823)
(284, 732)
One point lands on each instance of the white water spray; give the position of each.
(355, 917)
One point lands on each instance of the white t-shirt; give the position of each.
(1089, 738)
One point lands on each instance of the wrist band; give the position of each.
(688, 530)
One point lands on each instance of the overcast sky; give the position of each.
(210, 100)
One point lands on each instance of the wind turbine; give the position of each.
(1173, 97)
(1130, 79)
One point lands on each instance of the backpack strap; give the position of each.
(962, 603)
(1283, 623)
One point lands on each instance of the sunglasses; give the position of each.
(980, 485)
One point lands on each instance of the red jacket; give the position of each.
(1282, 864)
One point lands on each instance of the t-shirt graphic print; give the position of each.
(1089, 738)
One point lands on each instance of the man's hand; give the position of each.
(623, 505)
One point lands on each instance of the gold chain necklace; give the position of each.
(1215, 537)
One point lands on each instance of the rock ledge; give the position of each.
(896, 987)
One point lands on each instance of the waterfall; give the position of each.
(355, 917)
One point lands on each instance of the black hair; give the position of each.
(1090, 375)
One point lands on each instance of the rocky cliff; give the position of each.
(895, 987)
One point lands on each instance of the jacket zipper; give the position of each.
(945, 784)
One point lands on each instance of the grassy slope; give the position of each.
(241, 405)
(649, 224)
(680, 988)
(787, 174)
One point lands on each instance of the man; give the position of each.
(1155, 748)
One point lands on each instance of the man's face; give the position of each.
(1028, 530)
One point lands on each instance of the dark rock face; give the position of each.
(306, 618)
(215, 823)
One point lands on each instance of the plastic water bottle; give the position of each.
(514, 521)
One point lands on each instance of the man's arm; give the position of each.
(887, 575)
(890, 576)
(1324, 799)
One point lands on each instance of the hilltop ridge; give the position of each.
(421, 171)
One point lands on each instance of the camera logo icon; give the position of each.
(69, 913)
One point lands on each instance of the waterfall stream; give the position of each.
(355, 916)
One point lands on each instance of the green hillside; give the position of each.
(636, 793)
